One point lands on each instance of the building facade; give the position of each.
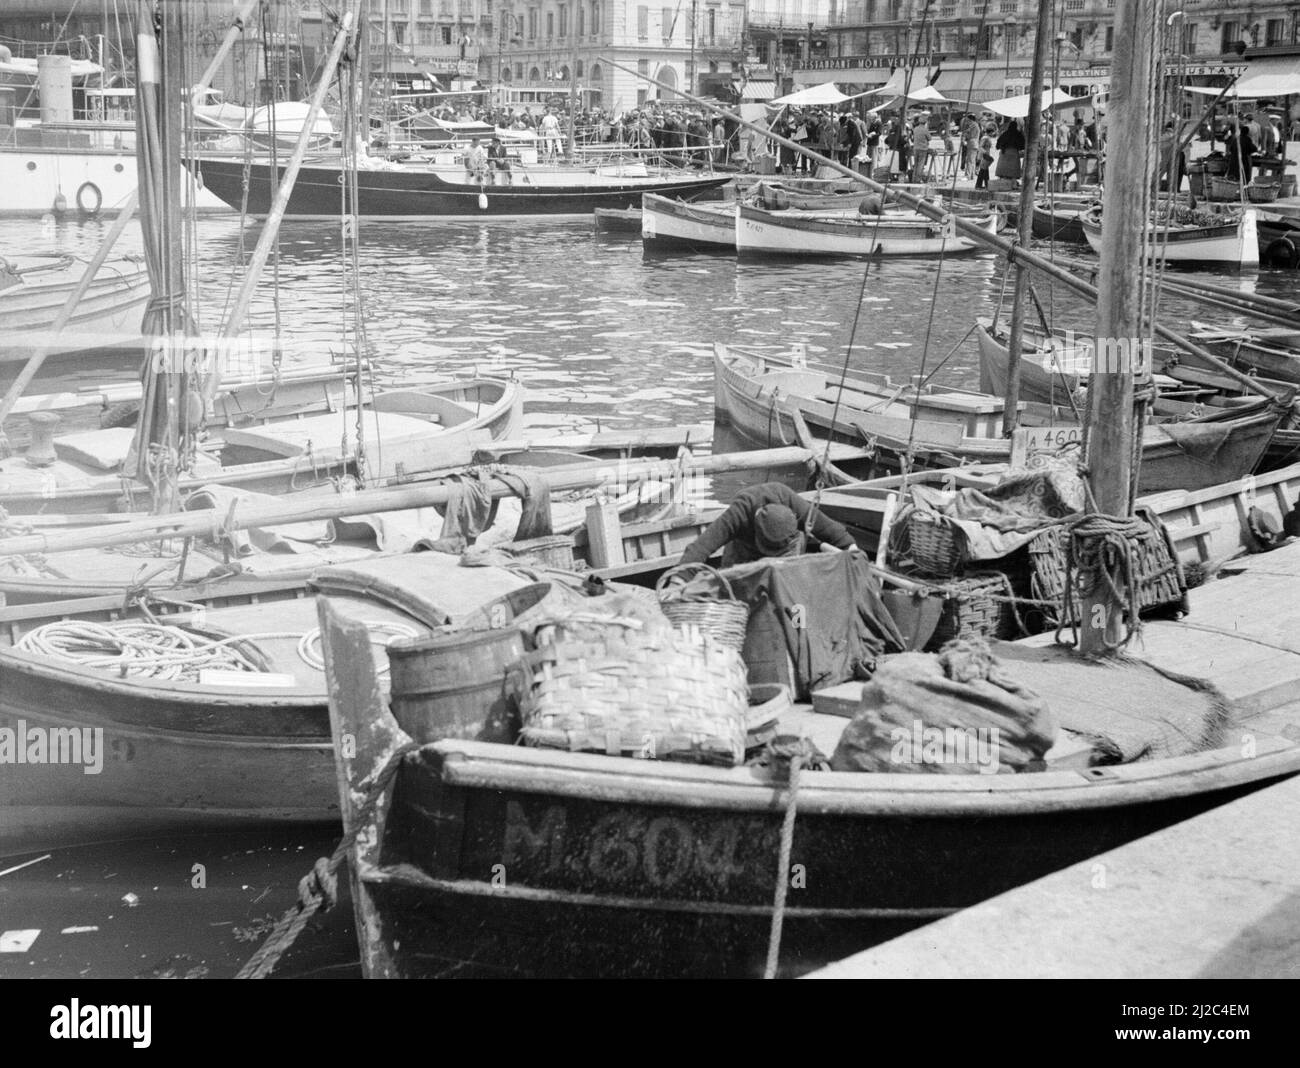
(984, 48)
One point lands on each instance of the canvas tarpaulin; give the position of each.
(819, 615)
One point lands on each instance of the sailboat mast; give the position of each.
(1025, 223)
(1119, 333)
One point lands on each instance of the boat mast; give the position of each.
(1025, 222)
(1111, 426)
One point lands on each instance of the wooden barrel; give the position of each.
(460, 685)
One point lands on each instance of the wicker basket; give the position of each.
(977, 605)
(718, 615)
(1224, 188)
(1263, 192)
(668, 695)
(937, 546)
(1161, 580)
(1196, 182)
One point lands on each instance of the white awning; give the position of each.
(758, 91)
(825, 94)
(1017, 107)
(1271, 76)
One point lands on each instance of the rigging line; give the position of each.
(970, 92)
(273, 178)
(875, 238)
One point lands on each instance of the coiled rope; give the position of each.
(1100, 551)
(167, 653)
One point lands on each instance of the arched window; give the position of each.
(597, 76)
(564, 73)
(505, 73)
(578, 67)
(668, 77)
(595, 17)
(534, 75)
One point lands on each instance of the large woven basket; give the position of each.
(717, 613)
(936, 545)
(978, 605)
(1263, 192)
(1224, 188)
(1161, 581)
(618, 690)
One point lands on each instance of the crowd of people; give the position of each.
(916, 147)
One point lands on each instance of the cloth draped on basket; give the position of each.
(956, 712)
(999, 520)
(820, 616)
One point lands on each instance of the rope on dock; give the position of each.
(319, 888)
(1100, 547)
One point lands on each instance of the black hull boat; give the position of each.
(481, 858)
(424, 193)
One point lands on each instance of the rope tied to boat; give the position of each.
(1099, 554)
(787, 754)
(319, 888)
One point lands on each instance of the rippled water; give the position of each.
(598, 332)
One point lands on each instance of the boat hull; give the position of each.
(1059, 225)
(34, 178)
(26, 491)
(107, 316)
(426, 193)
(769, 233)
(669, 223)
(1187, 456)
(618, 220)
(1235, 245)
(617, 871)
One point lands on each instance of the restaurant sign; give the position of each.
(886, 61)
(1094, 80)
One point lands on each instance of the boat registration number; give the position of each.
(1042, 446)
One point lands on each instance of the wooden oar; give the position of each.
(210, 522)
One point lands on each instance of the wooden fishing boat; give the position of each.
(1270, 352)
(228, 746)
(483, 858)
(34, 288)
(1205, 525)
(777, 196)
(618, 220)
(667, 223)
(1233, 242)
(290, 440)
(415, 192)
(1059, 219)
(757, 395)
(776, 233)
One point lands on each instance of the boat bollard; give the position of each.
(41, 451)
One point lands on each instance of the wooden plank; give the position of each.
(604, 536)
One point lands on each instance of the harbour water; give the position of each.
(599, 333)
(602, 336)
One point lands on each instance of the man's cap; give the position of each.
(775, 529)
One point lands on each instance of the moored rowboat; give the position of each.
(775, 233)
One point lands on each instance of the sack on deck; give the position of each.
(957, 712)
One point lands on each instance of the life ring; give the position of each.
(1282, 252)
(93, 190)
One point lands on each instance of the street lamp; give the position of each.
(510, 23)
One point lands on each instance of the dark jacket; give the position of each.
(735, 527)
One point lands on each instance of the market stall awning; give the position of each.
(817, 95)
(758, 91)
(983, 85)
(1261, 81)
(1017, 107)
